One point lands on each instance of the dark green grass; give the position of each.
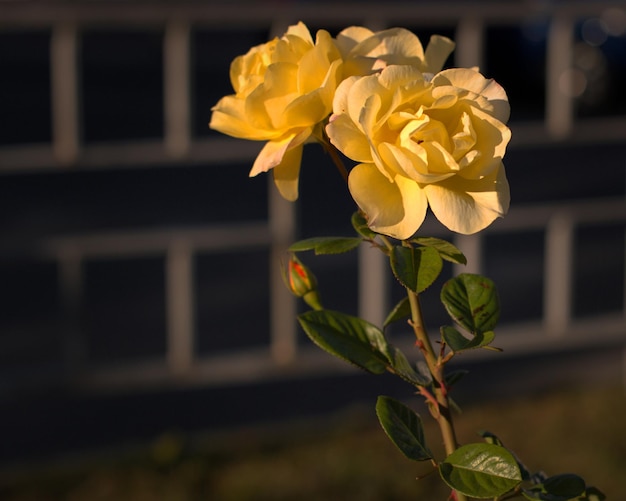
(341, 457)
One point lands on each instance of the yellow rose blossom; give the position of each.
(424, 140)
(283, 89)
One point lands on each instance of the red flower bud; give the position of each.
(301, 282)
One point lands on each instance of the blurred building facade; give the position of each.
(136, 251)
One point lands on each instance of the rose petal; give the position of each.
(473, 81)
(469, 206)
(437, 52)
(396, 209)
(229, 117)
(347, 138)
(348, 38)
(287, 172)
(273, 152)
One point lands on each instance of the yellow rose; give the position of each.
(283, 89)
(365, 51)
(421, 141)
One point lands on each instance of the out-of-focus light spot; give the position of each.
(587, 58)
(594, 32)
(572, 82)
(614, 20)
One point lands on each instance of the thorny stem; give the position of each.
(442, 412)
(439, 402)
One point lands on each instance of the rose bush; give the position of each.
(283, 89)
(424, 140)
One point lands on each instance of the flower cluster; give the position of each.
(420, 136)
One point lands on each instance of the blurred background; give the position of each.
(140, 289)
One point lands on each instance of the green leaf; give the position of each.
(400, 311)
(453, 377)
(403, 427)
(593, 494)
(416, 269)
(563, 487)
(349, 338)
(402, 367)
(359, 223)
(327, 245)
(453, 338)
(472, 301)
(458, 342)
(491, 438)
(446, 250)
(481, 470)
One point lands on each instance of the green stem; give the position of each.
(443, 414)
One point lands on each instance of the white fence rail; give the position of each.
(67, 19)
(180, 246)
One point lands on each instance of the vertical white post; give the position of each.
(283, 306)
(471, 247)
(557, 290)
(176, 69)
(373, 285)
(559, 103)
(282, 224)
(469, 43)
(65, 93)
(180, 307)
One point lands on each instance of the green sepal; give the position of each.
(458, 342)
(472, 302)
(359, 223)
(481, 470)
(490, 438)
(563, 487)
(403, 368)
(446, 250)
(416, 268)
(403, 427)
(326, 245)
(350, 338)
(400, 311)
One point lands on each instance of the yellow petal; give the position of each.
(342, 93)
(314, 64)
(348, 38)
(393, 46)
(396, 209)
(471, 80)
(229, 117)
(273, 152)
(287, 172)
(408, 164)
(469, 206)
(348, 139)
(437, 52)
(492, 138)
(270, 156)
(300, 31)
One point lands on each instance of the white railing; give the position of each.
(180, 246)
(67, 19)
